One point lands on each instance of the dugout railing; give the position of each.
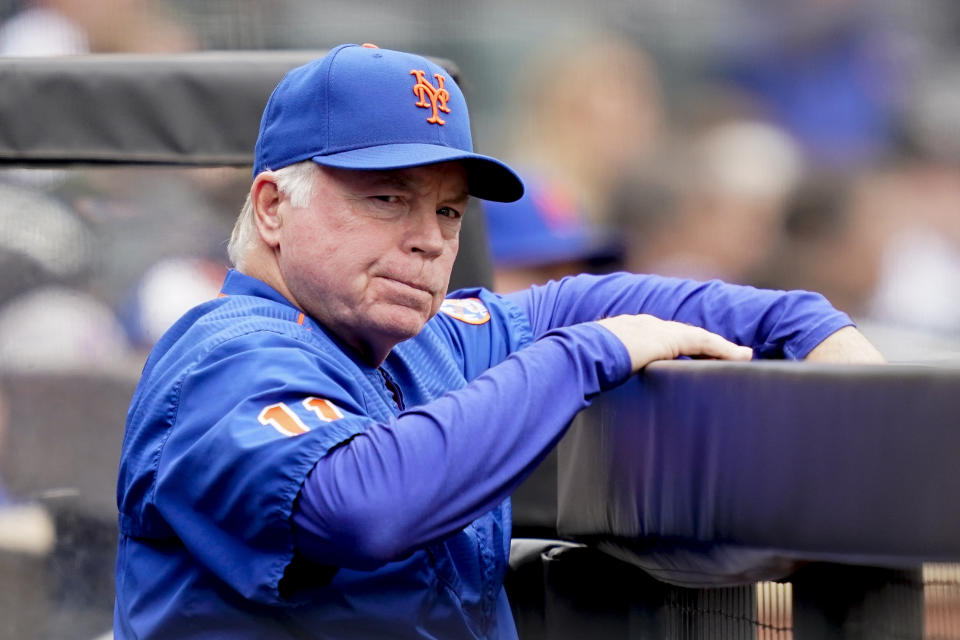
(699, 500)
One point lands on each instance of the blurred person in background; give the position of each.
(162, 235)
(825, 71)
(167, 289)
(158, 235)
(64, 27)
(121, 252)
(583, 109)
(835, 227)
(876, 244)
(712, 207)
(882, 241)
(544, 236)
(919, 277)
(49, 319)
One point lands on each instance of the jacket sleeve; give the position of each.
(404, 484)
(246, 426)
(776, 324)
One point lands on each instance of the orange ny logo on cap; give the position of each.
(437, 96)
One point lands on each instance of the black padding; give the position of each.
(182, 109)
(718, 473)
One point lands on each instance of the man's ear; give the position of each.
(266, 199)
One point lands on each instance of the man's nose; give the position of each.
(425, 234)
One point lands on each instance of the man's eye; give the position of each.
(388, 199)
(449, 213)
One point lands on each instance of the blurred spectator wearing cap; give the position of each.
(168, 289)
(543, 236)
(584, 109)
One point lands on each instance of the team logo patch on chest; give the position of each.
(469, 310)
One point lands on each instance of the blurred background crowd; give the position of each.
(789, 143)
(811, 144)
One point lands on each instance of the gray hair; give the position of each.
(295, 181)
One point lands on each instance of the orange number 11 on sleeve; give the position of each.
(284, 420)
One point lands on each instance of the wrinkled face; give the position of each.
(370, 257)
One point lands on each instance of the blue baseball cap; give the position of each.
(365, 108)
(546, 226)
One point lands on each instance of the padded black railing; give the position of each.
(840, 479)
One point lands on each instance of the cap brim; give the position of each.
(546, 250)
(487, 178)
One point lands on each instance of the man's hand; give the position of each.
(846, 345)
(648, 338)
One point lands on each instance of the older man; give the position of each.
(327, 450)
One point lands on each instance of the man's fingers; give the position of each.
(648, 339)
(715, 346)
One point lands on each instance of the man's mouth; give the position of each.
(411, 285)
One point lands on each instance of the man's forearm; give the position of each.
(846, 345)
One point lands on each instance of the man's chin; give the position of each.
(401, 322)
(378, 339)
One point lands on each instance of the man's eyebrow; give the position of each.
(402, 182)
(459, 196)
(377, 179)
